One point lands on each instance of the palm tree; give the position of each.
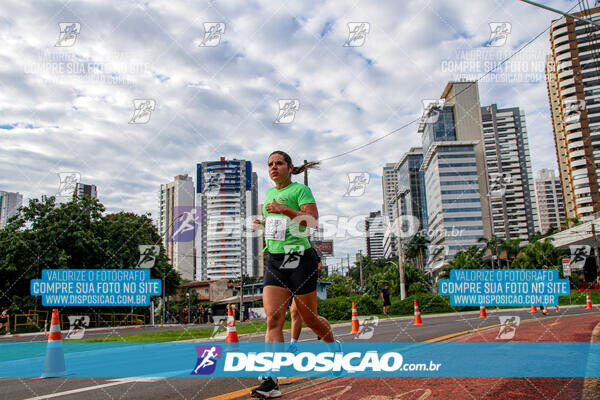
(416, 249)
(538, 254)
(492, 244)
(512, 248)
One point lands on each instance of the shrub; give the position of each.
(417, 287)
(367, 305)
(336, 308)
(428, 304)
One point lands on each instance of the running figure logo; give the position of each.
(207, 359)
(292, 256)
(498, 184)
(212, 34)
(499, 34)
(507, 327)
(220, 328)
(186, 218)
(69, 31)
(431, 110)
(148, 255)
(142, 109)
(357, 183)
(213, 183)
(572, 110)
(357, 34)
(367, 327)
(77, 326)
(68, 183)
(287, 111)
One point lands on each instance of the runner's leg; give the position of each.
(275, 301)
(307, 306)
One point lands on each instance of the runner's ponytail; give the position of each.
(300, 169)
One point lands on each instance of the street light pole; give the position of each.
(187, 294)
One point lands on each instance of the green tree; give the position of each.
(73, 235)
(539, 253)
(493, 244)
(471, 258)
(416, 249)
(512, 248)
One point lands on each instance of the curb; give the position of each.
(591, 386)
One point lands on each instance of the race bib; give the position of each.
(275, 228)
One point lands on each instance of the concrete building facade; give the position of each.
(551, 211)
(573, 83)
(176, 224)
(510, 179)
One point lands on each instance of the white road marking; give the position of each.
(114, 382)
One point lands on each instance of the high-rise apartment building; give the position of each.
(551, 212)
(458, 211)
(82, 188)
(511, 185)
(389, 180)
(9, 205)
(227, 192)
(374, 231)
(177, 221)
(573, 82)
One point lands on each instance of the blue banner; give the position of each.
(220, 359)
(503, 287)
(95, 287)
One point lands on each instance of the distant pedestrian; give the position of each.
(5, 321)
(200, 314)
(385, 296)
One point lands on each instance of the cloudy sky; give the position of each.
(67, 102)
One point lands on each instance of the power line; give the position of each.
(451, 98)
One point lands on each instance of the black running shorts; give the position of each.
(294, 271)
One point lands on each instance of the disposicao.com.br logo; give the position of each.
(304, 363)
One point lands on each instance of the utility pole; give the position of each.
(596, 252)
(305, 174)
(400, 262)
(360, 269)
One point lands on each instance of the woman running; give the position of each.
(292, 266)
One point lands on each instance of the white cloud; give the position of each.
(222, 101)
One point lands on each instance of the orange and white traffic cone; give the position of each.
(232, 336)
(557, 311)
(588, 301)
(54, 365)
(355, 326)
(533, 309)
(418, 320)
(482, 312)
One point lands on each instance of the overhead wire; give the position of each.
(496, 66)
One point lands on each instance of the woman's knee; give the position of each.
(275, 321)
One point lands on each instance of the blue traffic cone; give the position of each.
(54, 365)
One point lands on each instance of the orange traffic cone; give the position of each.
(482, 313)
(418, 320)
(54, 365)
(232, 336)
(355, 327)
(557, 311)
(588, 301)
(533, 309)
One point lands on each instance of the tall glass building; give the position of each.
(454, 167)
